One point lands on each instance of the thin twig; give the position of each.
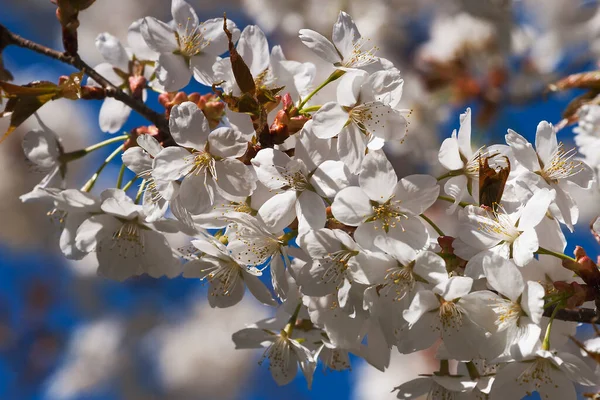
(583, 315)
(8, 38)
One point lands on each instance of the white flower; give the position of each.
(336, 263)
(126, 245)
(252, 243)
(550, 374)
(436, 387)
(188, 47)
(550, 166)
(364, 115)
(412, 271)
(518, 307)
(297, 189)
(43, 148)
(283, 353)
(206, 162)
(382, 205)
(71, 208)
(122, 68)
(444, 312)
(139, 160)
(511, 235)
(348, 50)
(227, 278)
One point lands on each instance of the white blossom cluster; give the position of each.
(355, 263)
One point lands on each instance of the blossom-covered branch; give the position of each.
(8, 38)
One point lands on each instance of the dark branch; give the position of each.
(583, 315)
(8, 38)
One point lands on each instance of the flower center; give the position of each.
(387, 213)
(227, 273)
(451, 315)
(293, 178)
(538, 374)
(190, 39)
(203, 161)
(399, 279)
(337, 265)
(560, 166)
(361, 54)
(508, 313)
(129, 240)
(500, 225)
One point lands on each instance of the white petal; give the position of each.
(227, 142)
(279, 211)
(149, 144)
(329, 120)
(424, 301)
(113, 51)
(234, 178)
(93, 229)
(202, 66)
(449, 155)
(464, 134)
(377, 178)
(310, 210)
(576, 370)
(254, 49)
(533, 301)
(351, 206)
(171, 164)
(320, 45)
(345, 34)
(184, 16)
(523, 151)
(454, 287)
(41, 147)
(196, 196)
(536, 208)
(269, 165)
(330, 177)
(546, 143)
(430, 267)
(416, 193)
(159, 36)
(524, 247)
(259, 290)
(173, 72)
(212, 32)
(113, 115)
(503, 276)
(189, 127)
(352, 146)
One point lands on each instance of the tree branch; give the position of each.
(8, 38)
(583, 315)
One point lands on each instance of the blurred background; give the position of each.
(67, 334)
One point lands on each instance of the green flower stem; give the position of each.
(450, 174)
(77, 154)
(334, 75)
(542, 250)
(451, 200)
(120, 177)
(546, 342)
(433, 225)
(289, 327)
(311, 109)
(92, 181)
(128, 184)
